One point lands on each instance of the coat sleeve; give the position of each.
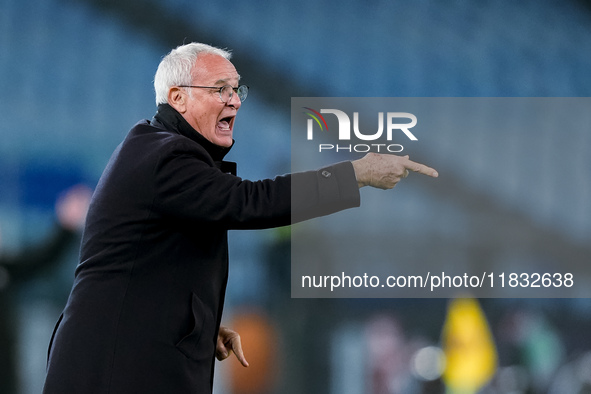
(190, 188)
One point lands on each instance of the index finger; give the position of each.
(421, 169)
(236, 346)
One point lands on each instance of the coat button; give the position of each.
(326, 173)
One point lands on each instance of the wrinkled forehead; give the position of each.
(214, 70)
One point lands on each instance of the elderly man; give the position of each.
(145, 310)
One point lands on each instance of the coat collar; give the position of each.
(173, 121)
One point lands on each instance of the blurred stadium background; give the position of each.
(75, 75)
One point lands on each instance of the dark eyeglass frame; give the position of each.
(220, 89)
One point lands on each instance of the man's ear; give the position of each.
(177, 98)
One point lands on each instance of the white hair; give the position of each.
(175, 68)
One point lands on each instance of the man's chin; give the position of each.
(224, 142)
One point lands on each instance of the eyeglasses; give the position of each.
(226, 92)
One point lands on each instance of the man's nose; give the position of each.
(235, 101)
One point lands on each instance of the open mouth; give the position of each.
(225, 124)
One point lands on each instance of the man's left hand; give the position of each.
(229, 340)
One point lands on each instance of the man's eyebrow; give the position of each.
(225, 81)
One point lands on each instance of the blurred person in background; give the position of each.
(31, 261)
(145, 311)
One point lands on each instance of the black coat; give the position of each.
(146, 305)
